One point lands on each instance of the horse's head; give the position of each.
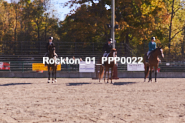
(160, 51)
(51, 49)
(114, 52)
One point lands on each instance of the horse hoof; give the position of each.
(52, 81)
(48, 81)
(55, 81)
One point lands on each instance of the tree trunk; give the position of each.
(38, 35)
(16, 26)
(170, 29)
(46, 28)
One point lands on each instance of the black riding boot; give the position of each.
(46, 55)
(146, 58)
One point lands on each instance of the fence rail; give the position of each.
(24, 66)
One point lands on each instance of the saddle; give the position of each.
(149, 57)
(46, 55)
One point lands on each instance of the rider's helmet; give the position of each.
(153, 38)
(51, 38)
(110, 39)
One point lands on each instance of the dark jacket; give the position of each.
(107, 48)
(48, 45)
(152, 46)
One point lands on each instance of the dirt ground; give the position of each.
(77, 100)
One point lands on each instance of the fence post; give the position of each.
(39, 47)
(10, 67)
(93, 47)
(75, 50)
(22, 66)
(21, 47)
(2, 48)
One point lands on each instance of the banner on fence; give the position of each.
(84, 67)
(135, 67)
(4, 66)
(42, 67)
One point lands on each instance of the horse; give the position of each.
(153, 61)
(113, 53)
(52, 66)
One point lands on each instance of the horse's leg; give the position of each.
(55, 73)
(112, 69)
(150, 75)
(108, 76)
(150, 78)
(145, 73)
(105, 74)
(156, 67)
(155, 75)
(48, 73)
(101, 73)
(101, 70)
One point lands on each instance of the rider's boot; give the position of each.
(103, 65)
(146, 59)
(46, 55)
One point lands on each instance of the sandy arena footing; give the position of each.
(33, 100)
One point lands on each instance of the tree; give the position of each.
(138, 20)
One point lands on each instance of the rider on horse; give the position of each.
(49, 43)
(152, 46)
(107, 48)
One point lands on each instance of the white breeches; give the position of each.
(148, 53)
(105, 54)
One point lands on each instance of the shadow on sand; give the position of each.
(76, 84)
(124, 83)
(12, 84)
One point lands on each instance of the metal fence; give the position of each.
(22, 54)
(63, 48)
(24, 66)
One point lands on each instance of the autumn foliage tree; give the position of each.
(138, 21)
(25, 20)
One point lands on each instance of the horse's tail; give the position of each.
(101, 72)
